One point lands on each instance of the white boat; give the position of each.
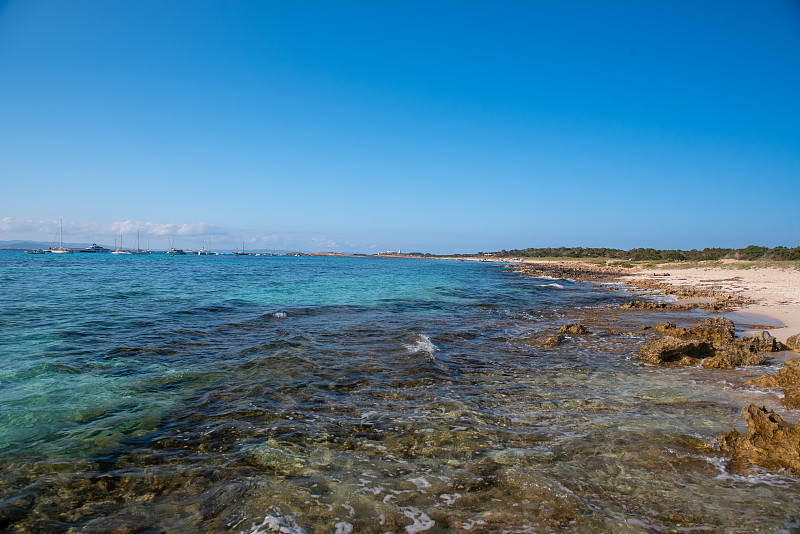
(95, 248)
(60, 249)
(119, 249)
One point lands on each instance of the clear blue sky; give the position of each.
(432, 126)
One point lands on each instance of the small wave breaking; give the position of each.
(422, 343)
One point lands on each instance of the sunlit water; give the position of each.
(256, 394)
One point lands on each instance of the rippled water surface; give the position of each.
(299, 394)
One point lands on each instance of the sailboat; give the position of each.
(203, 251)
(60, 249)
(174, 251)
(242, 253)
(119, 249)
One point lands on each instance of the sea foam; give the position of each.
(422, 343)
(285, 524)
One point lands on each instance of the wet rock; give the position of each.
(787, 378)
(573, 328)
(553, 341)
(791, 397)
(718, 331)
(726, 352)
(669, 329)
(670, 349)
(770, 441)
(574, 271)
(787, 375)
(647, 305)
(14, 508)
(744, 351)
(793, 343)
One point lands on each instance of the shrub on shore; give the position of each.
(750, 253)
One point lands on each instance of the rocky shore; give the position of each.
(770, 441)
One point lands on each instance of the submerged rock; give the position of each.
(671, 349)
(553, 341)
(770, 441)
(573, 328)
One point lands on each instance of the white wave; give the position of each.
(422, 343)
(758, 476)
(420, 519)
(278, 315)
(420, 483)
(285, 524)
(450, 499)
(559, 286)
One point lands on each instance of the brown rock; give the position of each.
(770, 441)
(787, 378)
(553, 341)
(645, 305)
(573, 328)
(791, 397)
(669, 329)
(787, 375)
(793, 342)
(670, 349)
(733, 356)
(762, 342)
(717, 330)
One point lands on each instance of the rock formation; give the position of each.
(793, 342)
(671, 349)
(770, 441)
(710, 343)
(553, 341)
(788, 379)
(573, 328)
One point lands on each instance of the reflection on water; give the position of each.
(433, 412)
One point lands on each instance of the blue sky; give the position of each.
(432, 126)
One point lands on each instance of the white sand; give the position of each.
(775, 290)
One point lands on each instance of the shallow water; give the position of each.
(258, 394)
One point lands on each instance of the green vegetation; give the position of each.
(750, 253)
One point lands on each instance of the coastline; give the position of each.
(775, 292)
(770, 294)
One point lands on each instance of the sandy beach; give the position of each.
(775, 291)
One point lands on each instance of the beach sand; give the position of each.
(774, 290)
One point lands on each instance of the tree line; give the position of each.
(751, 253)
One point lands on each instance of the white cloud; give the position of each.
(157, 235)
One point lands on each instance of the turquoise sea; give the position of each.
(157, 393)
